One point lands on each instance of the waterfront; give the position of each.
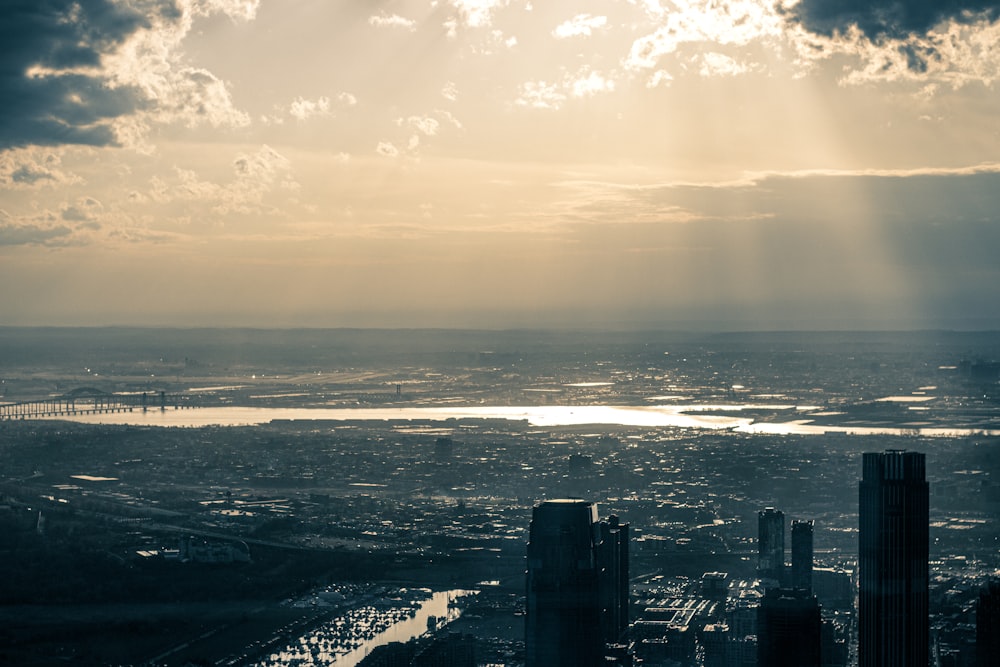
(395, 616)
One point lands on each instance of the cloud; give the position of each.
(25, 168)
(425, 124)
(589, 83)
(242, 10)
(86, 209)
(302, 109)
(652, 8)
(953, 54)
(192, 97)
(387, 149)
(415, 131)
(719, 64)
(82, 71)
(476, 13)
(660, 77)
(899, 197)
(581, 25)
(255, 176)
(450, 118)
(264, 166)
(540, 95)
(384, 20)
(53, 88)
(44, 229)
(29, 234)
(943, 42)
(922, 241)
(889, 18)
(729, 22)
(552, 95)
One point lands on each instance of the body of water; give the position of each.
(678, 416)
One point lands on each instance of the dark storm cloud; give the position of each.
(888, 18)
(50, 82)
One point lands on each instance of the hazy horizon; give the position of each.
(699, 328)
(492, 164)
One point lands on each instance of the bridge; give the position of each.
(87, 400)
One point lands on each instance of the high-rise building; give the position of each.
(893, 622)
(613, 587)
(577, 585)
(789, 629)
(771, 544)
(988, 625)
(802, 555)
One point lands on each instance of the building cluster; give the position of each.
(579, 593)
(577, 606)
(451, 649)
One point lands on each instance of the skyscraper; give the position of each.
(789, 629)
(802, 555)
(577, 585)
(613, 587)
(771, 544)
(892, 603)
(988, 625)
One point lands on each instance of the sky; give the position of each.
(731, 164)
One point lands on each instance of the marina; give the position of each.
(369, 620)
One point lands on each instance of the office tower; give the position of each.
(770, 544)
(577, 585)
(789, 629)
(613, 585)
(802, 555)
(893, 626)
(988, 625)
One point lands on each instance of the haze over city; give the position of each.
(744, 164)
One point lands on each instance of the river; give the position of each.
(692, 416)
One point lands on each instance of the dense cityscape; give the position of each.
(721, 496)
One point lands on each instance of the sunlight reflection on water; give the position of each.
(652, 416)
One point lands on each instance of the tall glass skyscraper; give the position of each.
(893, 599)
(802, 555)
(577, 585)
(771, 544)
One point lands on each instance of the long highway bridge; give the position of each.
(87, 400)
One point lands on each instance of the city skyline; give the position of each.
(746, 164)
(338, 510)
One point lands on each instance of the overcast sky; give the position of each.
(765, 164)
